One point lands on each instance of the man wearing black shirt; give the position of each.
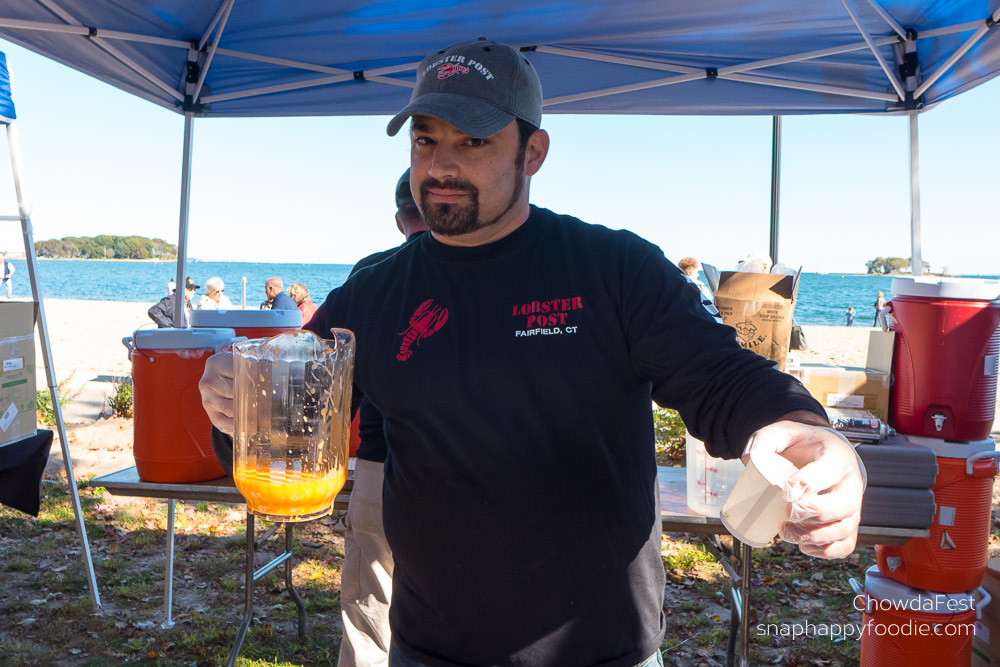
(513, 354)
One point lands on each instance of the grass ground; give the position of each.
(46, 617)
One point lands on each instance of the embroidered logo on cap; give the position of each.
(425, 320)
(451, 69)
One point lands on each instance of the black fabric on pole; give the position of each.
(21, 467)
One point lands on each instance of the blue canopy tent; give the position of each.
(311, 57)
(314, 57)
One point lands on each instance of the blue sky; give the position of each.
(99, 161)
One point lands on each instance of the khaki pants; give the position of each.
(366, 579)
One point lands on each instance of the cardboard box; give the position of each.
(17, 373)
(851, 388)
(759, 306)
(981, 654)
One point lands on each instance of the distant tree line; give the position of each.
(106, 247)
(888, 265)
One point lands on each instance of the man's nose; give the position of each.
(444, 164)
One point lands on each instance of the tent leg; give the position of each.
(180, 319)
(916, 259)
(775, 184)
(50, 373)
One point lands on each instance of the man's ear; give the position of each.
(399, 225)
(535, 152)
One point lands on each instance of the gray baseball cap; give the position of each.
(479, 87)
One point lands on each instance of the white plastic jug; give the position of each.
(709, 480)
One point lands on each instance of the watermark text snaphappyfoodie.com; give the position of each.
(810, 630)
(872, 627)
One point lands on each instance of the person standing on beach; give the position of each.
(879, 305)
(274, 288)
(8, 274)
(513, 353)
(850, 316)
(366, 576)
(163, 311)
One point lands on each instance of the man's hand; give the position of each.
(825, 494)
(216, 388)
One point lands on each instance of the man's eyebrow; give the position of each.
(419, 125)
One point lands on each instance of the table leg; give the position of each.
(725, 556)
(288, 582)
(744, 551)
(168, 597)
(735, 608)
(248, 611)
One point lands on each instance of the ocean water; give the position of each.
(822, 299)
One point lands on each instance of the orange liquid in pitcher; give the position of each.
(298, 494)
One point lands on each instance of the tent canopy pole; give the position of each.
(775, 184)
(50, 371)
(916, 259)
(182, 232)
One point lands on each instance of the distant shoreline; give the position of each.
(171, 260)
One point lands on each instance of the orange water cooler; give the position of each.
(953, 558)
(173, 435)
(249, 323)
(909, 627)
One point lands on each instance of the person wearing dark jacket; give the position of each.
(277, 299)
(163, 311)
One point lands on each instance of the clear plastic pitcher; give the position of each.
(292, 416)
(709, 480)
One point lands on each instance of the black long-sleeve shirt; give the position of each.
(515, 381)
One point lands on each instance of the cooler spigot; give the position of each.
(938, 420)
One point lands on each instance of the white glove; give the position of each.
(825, 494)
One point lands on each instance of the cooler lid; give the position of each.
(953, 449)
(180, 339)
(947, 288)
(901, 597)
(246, 318)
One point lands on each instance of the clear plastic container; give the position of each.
(292, 422)
(709, 480)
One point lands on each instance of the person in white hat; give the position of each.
(214, 297)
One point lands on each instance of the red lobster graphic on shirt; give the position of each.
(426, 319)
